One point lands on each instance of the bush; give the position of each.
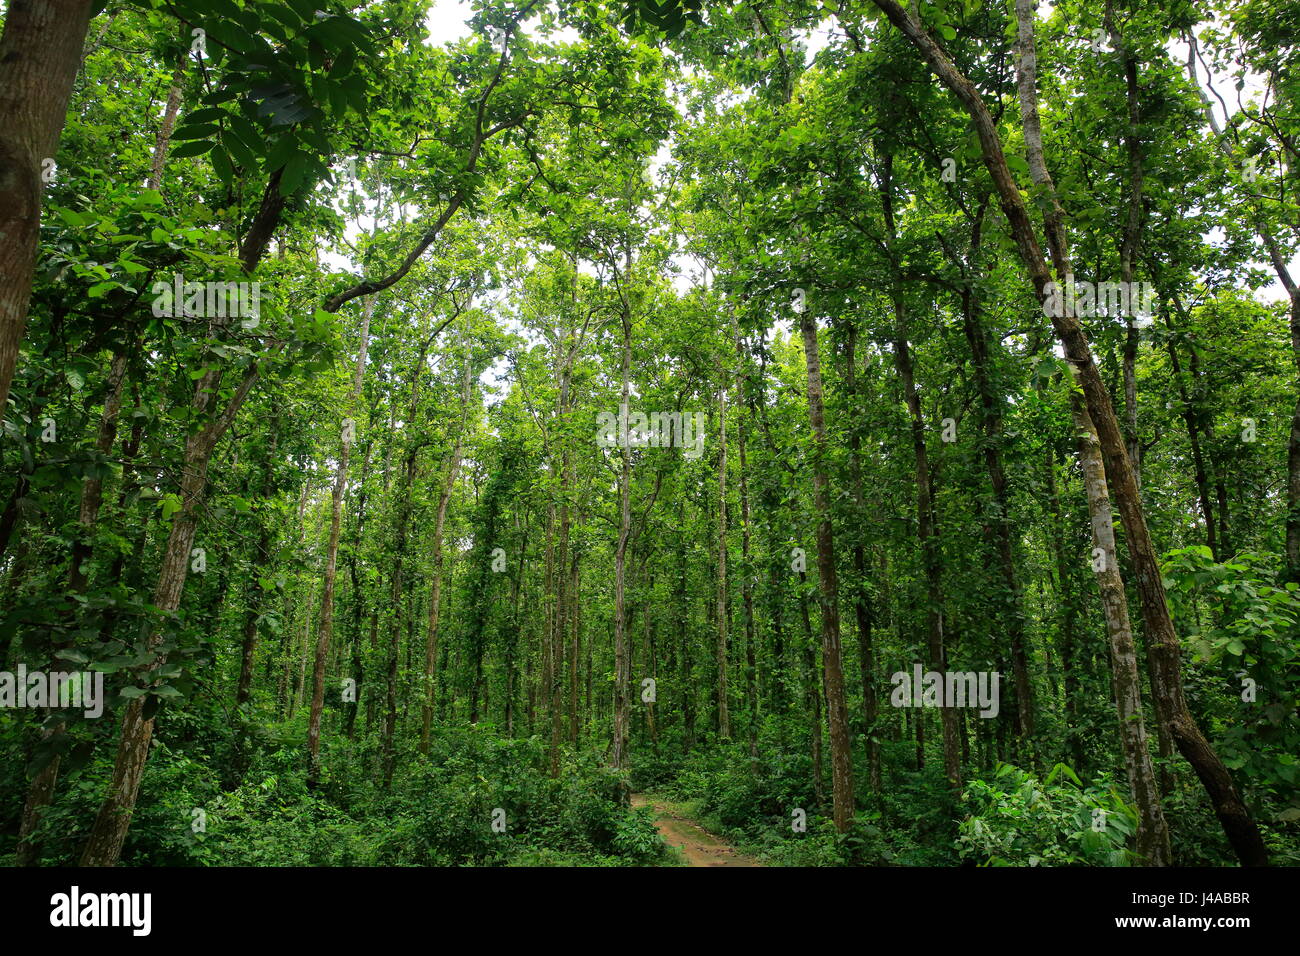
(1017, 820)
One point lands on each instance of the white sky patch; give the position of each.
(694, 272)
(817, 39)
(446, 21)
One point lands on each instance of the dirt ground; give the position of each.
(697, 845)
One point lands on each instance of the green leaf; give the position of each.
(294, 171)
(222, 167)
(196, 131)
(194, 148)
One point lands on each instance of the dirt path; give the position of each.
(697, 845)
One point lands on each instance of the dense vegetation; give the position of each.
(433, 441)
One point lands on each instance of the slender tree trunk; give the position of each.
(92, 489)
(358, 602)
(991, 424)
(1131, 232)
(564, 674)
(724, 612)
(1293, 454)
(685, 678)
(1205, 420)
(548, 677)
(928, 536)
(163, 140)
(777, 612)
(1199, 472)
(575, 652)
(1153, 846)
(325, 632)
(1069, 614)
(861, 598)
(253, 592)
(812, 692)
(747, 596)
(832, 665)
(622, 661)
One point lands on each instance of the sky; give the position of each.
(446, 21)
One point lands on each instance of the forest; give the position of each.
(649, 433)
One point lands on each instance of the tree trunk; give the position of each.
(1164, 651)
(325, 633)
(812, 692)
(40, 54)
(163, 140)
(108, 833)
(1153, 846)
(1199, 472)
(861, 599)
(622, 662)
(724, 612)
(832, 665)
(991, 424)
(41, 790)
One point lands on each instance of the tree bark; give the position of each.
(40, 54)
(861, 599)
(622, 661)
(724, 613)
(1153, 846)
(163, 140)
(832, 663)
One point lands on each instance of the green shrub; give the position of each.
(1017, 820)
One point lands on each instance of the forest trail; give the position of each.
(697, 845)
